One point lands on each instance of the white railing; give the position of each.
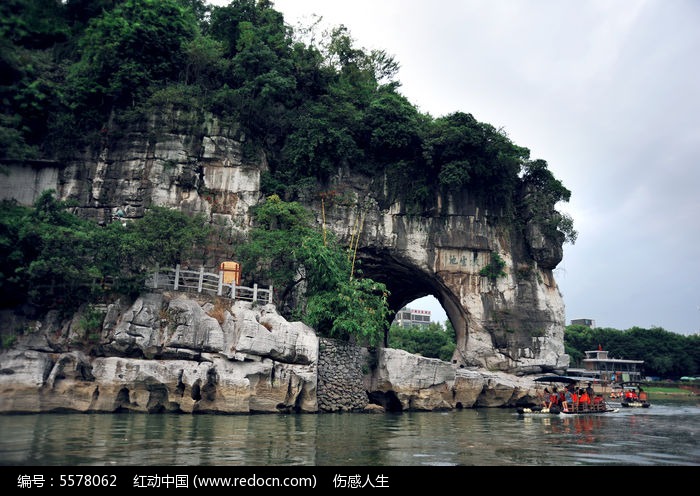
(179, 279)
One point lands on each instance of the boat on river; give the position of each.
(634, 404)
(596, 406)
(538, 410)
(633, 396)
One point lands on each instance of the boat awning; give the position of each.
(565, 379)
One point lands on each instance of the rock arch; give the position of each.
(512, 324)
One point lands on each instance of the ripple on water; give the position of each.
(663, 435)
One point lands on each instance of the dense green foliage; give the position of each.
(665, 354)
(431, 341)
(286, 250)
(127, 53)
(79, 73)
(52, 259)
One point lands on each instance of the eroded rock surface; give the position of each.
(180, 353)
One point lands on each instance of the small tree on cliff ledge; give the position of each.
(288, 251)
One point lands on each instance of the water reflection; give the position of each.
(661, 435)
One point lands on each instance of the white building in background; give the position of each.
(408, 317)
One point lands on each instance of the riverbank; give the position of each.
(672, 392)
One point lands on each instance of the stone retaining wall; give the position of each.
(340, 386)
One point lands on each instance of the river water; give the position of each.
(667, 434)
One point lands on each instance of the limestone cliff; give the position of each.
(181, 353)
(514, 324)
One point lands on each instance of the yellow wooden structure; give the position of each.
(232, 272)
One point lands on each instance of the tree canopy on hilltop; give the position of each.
(71, 69)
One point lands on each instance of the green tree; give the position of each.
(467, 153)
(57, 268)
(281, 231)
(355, 309)
(542, 192)
(432, 341)
(29, 80)
(348, 118)
(13, 287)
(204, 62)
(321, 140)
(130, 50)
(259, 83)
(164, 236)
(284, 248)
(35, 24)
(394, 128)
(56, 260)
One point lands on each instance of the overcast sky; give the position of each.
(606, 91)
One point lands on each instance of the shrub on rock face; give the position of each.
(286, 250)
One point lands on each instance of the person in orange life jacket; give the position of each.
(553, 397)
(628, 395)
(584, 400)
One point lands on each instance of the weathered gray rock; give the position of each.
(417, 383)
(180, 353)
